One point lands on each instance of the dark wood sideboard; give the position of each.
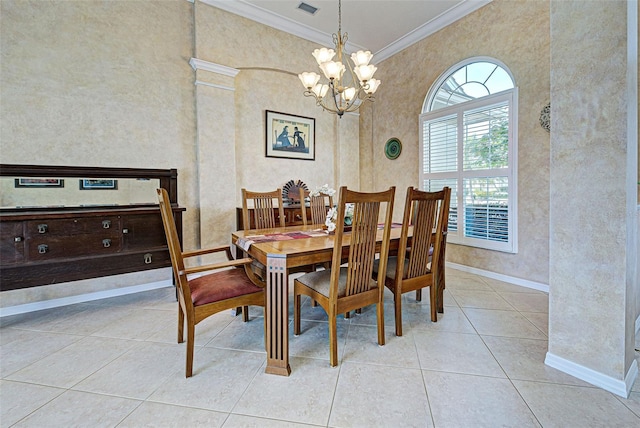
(42, 245)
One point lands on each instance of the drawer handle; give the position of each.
(42, 228)
(106, 243)
(43, 248)
(106, 224)
(125, 231)
(148, 259)
(17, 239)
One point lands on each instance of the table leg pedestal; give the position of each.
(277, 316)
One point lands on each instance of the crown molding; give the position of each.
(428, 28)
(266, 17)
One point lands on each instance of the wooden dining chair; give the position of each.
(198, 298)
(416, 265)
(342, 289)
(263, 206)
(318, 206)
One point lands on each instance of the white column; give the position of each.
(215, 113)
(593, 233)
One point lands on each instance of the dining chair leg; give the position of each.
(314, 303)
(180, 324)
(440, 287)
(333, 340)
(245, 313)
(433, 303)
(419, 295)
(380, 312)
(190, 345)
(397, 300)
(296, 314)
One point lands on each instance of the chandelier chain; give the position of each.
(339, 16)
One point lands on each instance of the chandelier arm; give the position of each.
(335, 96)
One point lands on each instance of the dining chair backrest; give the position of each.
(263, 207)
(175, 251)
(418, 261)
(428, 213)
(362, 240)
(318, 206)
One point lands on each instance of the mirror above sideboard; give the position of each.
(34, 186)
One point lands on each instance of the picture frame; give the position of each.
(98, 184)
(39, 182)
(290, 136)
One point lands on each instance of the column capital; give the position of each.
(199, 64)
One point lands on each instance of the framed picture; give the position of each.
(99, 184)
(289, 136)
(39, 182)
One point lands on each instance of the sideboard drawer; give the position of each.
(62, 247)
(72, 226)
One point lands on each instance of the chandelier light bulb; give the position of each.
(332, 69)
(373, 85)
(323, 55)
(361, 58)
(320, 90)
(309, 79)
(365, 72)
(348, 94)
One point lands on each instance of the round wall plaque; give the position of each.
(393, 148)
(545, 117)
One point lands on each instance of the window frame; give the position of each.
(510, 96)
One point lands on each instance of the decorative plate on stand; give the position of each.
(291, 191)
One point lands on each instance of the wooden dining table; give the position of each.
(291, 247)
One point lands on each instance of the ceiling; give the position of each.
(384, 27)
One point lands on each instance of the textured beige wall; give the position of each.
(98, 84)
(516, 33)
(108, 83)
(589, 221)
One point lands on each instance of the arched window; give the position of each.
(468, 133)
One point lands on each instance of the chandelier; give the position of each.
(346, 86)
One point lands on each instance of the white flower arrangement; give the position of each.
(323, 190)
(332, 216)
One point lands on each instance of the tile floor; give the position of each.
(115, 363)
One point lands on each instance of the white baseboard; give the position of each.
(80, 298)
(615, 386)
(501, 277)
